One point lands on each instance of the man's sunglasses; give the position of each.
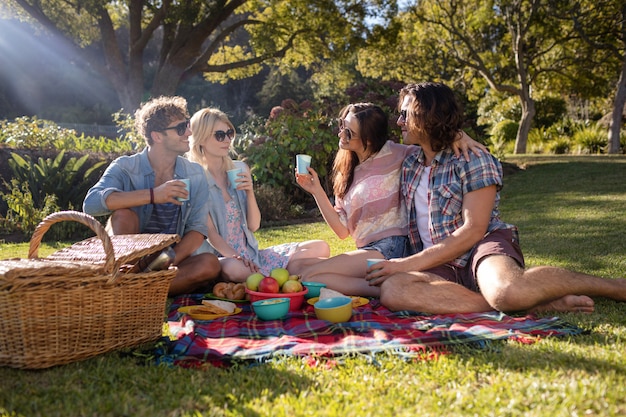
(220, 135)
(345, 128)
(181, 128)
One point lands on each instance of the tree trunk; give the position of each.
(618, 111)
(528, 113)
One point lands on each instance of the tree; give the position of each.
(222, 39)
(512, 45)
(601, 24)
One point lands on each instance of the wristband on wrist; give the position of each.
(151, 195)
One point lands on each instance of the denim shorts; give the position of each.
(390, 247)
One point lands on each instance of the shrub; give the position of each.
(36, 134)
(67, 179)
(550, 110)
(31, 133)
(501, 137)
(505, 130)
(275, 205)
(270, 147)
(591, 139)
(22, 211)
(560, 145)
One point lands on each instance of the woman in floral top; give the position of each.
(234, 214)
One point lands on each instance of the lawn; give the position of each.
(571, 213)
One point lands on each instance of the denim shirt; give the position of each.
(134, 172)
(217, 210)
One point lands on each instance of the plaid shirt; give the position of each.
(450, 179)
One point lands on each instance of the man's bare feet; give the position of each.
(569, 304)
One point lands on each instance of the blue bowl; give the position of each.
(271, 308)
(334, 309)
(314, 288)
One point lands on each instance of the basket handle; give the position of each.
(80, 217)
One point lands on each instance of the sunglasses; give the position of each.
(220, 135)
(403, 114)
(181, 128)
(343, 127)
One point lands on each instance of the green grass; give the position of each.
(571, 212)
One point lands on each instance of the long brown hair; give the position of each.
(373, 132)
(434, 110)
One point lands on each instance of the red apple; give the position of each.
(269, 284)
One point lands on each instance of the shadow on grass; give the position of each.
(117, 384)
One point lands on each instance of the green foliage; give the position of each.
(549, 110)
(126, 126)
(67, 179)
(495, 107)
(270, 148)
(559, 145)
(31, 133)
(92, 144)
(22, 211)
(502, 137)
(591, 139)
(36, 134)
(275, 205)
(505, 130)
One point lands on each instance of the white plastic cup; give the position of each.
(371, 262)
(302, 163)
(187, 182)
(233, 174)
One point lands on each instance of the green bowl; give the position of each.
(271, 308)
(314, 288)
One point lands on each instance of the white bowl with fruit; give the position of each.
(279, 284)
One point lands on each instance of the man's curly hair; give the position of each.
(156, 114)
(435, 111)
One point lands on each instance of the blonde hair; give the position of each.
(202, 126)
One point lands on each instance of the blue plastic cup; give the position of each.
(233, 174)
(303, 162)
(187, 182)
(371, 262)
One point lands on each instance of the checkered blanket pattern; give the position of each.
(372, 329)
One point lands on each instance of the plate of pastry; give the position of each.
(210, 310)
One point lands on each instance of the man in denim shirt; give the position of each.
(144, 193)
(466, 259)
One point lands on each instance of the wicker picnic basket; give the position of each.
(83, 300)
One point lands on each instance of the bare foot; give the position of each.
(568, 303)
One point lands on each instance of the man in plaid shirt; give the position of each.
(466, 259)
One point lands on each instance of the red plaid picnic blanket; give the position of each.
(372, 329)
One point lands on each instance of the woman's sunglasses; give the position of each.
(220, 135)
(181, 128)
(343, 127)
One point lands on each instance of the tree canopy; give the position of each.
(520, 48)
(222, 39)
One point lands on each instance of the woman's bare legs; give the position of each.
(311, 249)
(344, 273)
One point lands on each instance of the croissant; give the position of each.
(237, 292)
(230, 290)
(219, 290)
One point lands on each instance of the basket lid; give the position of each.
(102, 249)
(14, 269)
(127, 248)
